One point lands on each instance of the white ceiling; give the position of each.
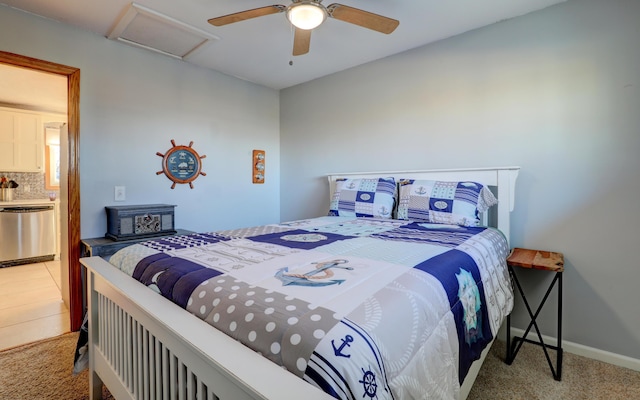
(35, 90)
(259, 50)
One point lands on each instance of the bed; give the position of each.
(397, 293)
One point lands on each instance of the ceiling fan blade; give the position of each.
(248, 14)
(362, 18)
(301, 41)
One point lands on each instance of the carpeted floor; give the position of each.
(529, 377)
(43, 370)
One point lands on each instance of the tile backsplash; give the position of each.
(30, 185)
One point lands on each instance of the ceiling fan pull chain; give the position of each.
(291, 33)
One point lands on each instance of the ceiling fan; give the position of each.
(308, 14)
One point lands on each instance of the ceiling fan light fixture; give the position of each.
(306, 15)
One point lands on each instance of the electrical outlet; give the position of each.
(119, 193)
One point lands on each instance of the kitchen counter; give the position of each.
(28, 202)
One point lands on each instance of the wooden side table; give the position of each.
(546, 261)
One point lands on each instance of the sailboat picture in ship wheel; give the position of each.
(181, 164)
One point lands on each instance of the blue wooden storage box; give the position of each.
(139, 221)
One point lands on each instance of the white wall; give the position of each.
(556, 92)
(133, 102)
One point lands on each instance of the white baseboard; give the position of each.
(581, 350)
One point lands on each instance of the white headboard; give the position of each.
(502, 180)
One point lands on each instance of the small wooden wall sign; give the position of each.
(258, 166)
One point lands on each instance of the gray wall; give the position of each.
(133, 102)
(555, 92)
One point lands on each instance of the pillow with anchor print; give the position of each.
(364, 198)
(442, 202)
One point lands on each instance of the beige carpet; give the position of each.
(529, 377)
(43, 370)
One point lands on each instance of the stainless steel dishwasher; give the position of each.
(27, 234)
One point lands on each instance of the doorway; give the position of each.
(69, 184)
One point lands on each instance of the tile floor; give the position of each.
(31, 307)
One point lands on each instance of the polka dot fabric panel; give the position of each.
(265, 320)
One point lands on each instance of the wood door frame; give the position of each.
(73, 186)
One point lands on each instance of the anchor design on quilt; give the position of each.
(310, 278)
(384, 211)
(346, 342)
(421, 190)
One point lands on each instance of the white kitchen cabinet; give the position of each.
(21, 141)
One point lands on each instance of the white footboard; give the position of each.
(142, 346)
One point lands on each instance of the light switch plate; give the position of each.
(120, 193)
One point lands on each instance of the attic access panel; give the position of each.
(145, 28)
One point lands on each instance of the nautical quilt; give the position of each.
(360, 307)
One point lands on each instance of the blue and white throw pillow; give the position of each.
(364, 198)
(442, 202)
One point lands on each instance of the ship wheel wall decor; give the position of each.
(181, 164)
